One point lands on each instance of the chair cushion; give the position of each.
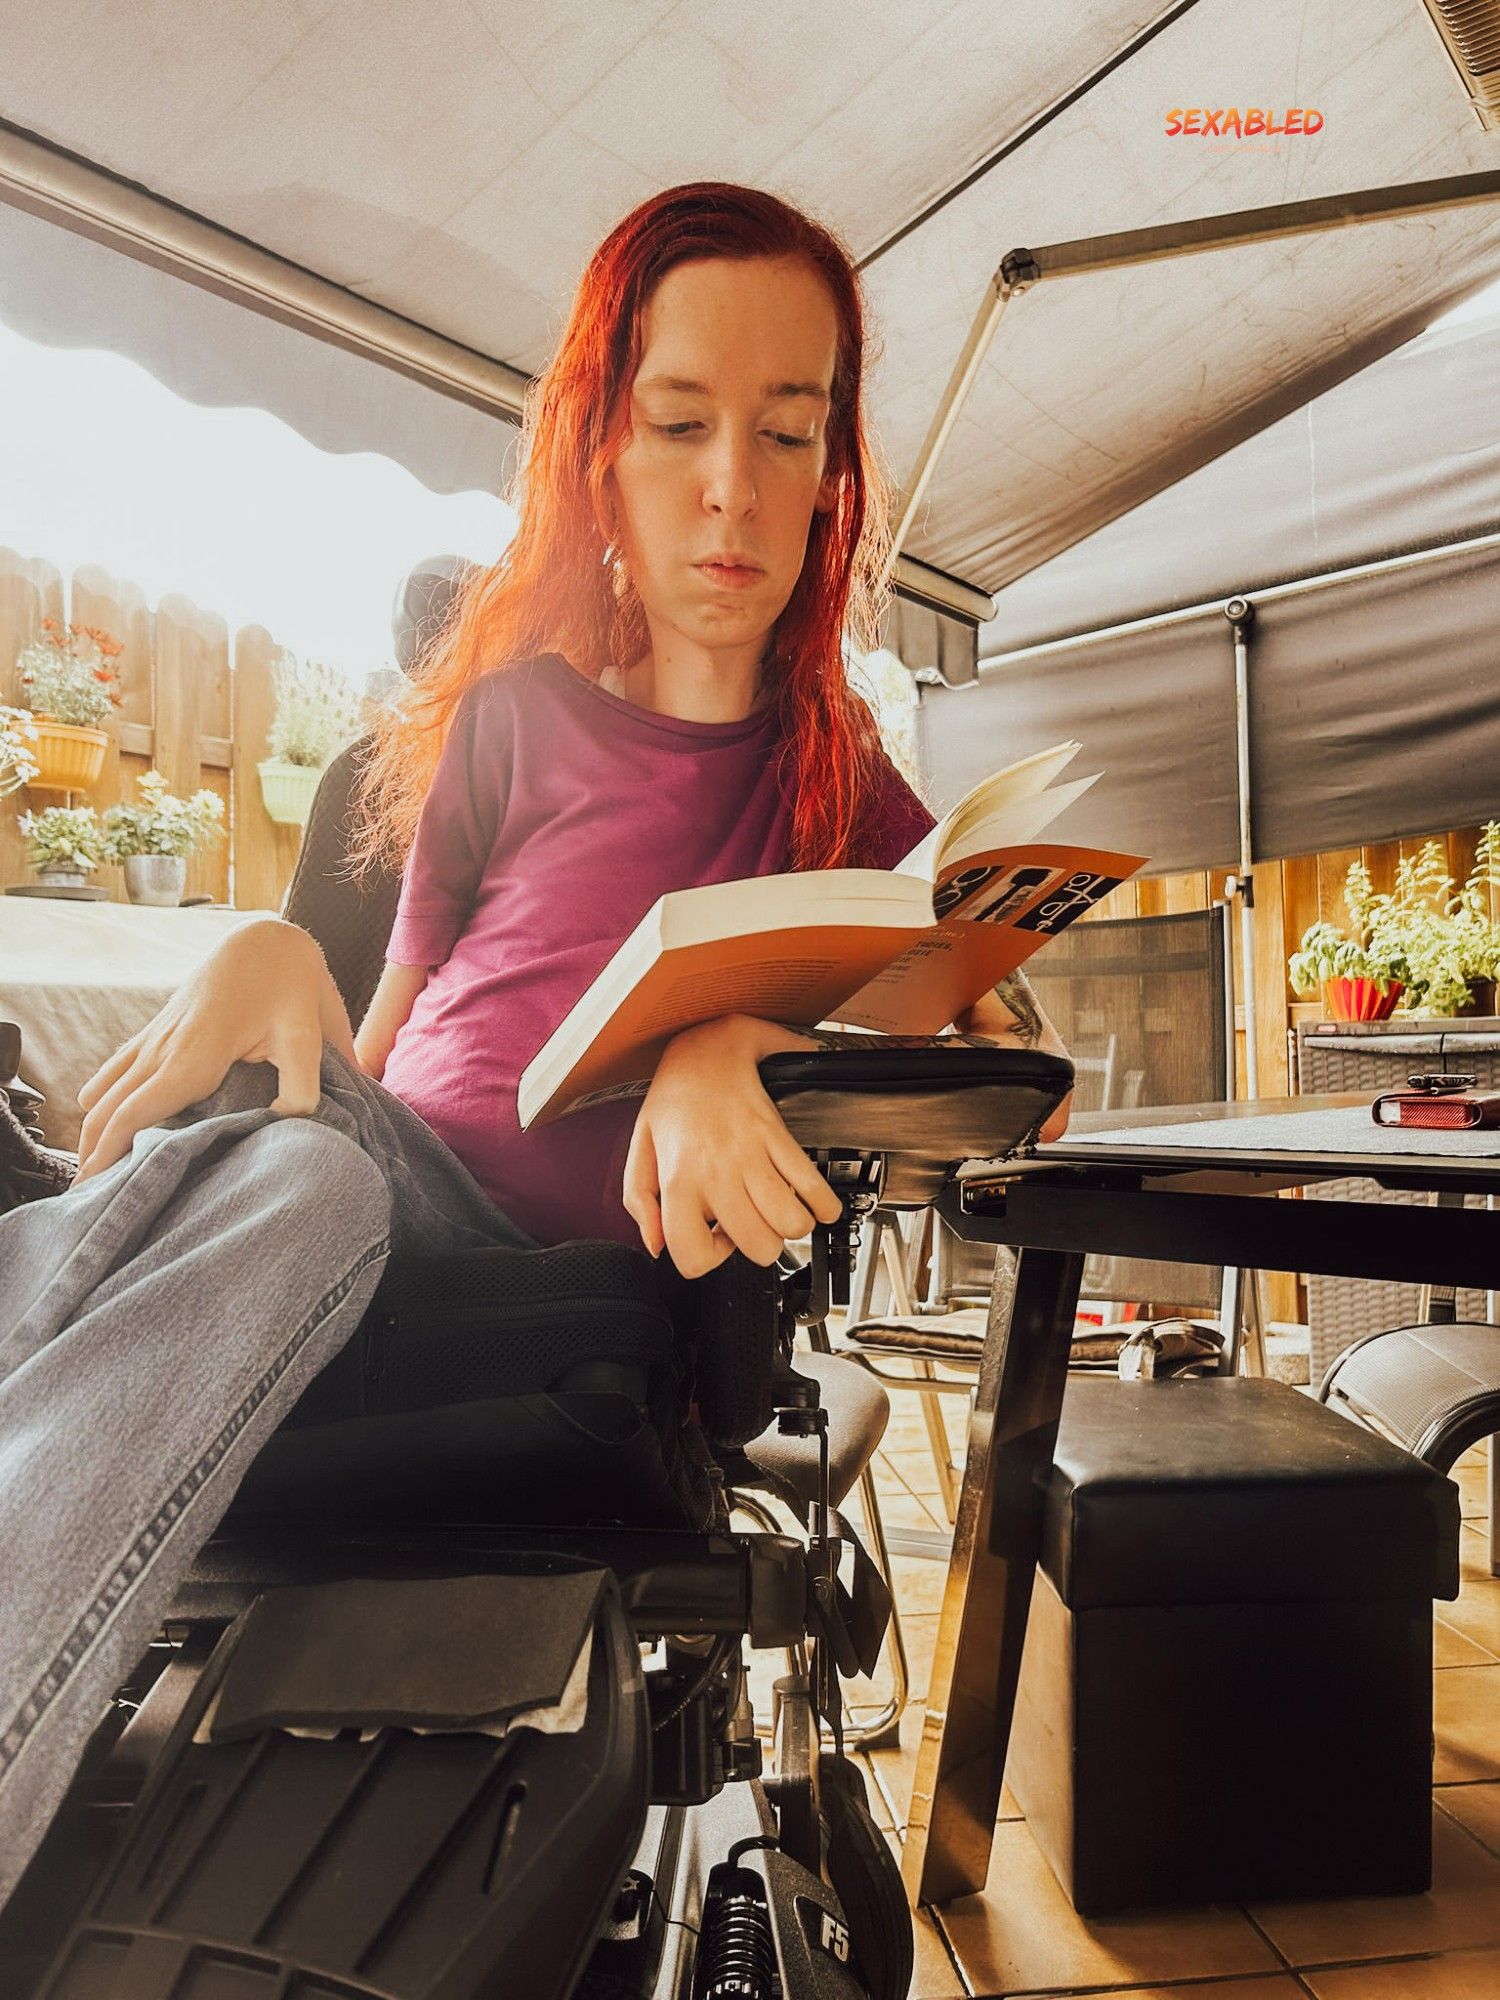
(858, 1409)
(1227, 1490)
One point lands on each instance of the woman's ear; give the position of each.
(828, 492)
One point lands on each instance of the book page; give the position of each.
(990, 810)
(993, 916)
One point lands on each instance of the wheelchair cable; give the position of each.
(751, 1841)
(721, 1652)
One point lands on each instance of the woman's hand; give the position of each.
(262, 995)
(712, 1168)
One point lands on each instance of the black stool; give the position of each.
(1227, 1686)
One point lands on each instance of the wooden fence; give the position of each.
(197, 705)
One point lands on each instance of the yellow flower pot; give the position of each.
(288, 789)
(70, 757)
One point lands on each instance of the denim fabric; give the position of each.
(156, 1324)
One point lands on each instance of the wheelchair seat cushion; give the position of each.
(492, 1322)
(498, 1386)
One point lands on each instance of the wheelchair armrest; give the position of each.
(925, 1104)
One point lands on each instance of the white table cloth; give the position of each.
(81, 978)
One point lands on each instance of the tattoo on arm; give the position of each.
(1016, 992)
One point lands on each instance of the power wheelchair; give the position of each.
(402, 1738)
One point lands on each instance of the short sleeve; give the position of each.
(893, 821)
(456, 834)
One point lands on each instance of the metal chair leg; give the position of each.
(932, 1414)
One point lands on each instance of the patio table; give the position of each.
(1189, 1182)
(80, 978)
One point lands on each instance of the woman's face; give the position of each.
(728, 449)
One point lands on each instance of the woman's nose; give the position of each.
(730, 480)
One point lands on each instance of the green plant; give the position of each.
(18, 765)
(63, 837)
(162, 824)
(317, 712)
(67, 676)
(1437, 939)
(1326, 953)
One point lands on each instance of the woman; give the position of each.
(647, 692)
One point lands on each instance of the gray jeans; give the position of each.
(156, 1325)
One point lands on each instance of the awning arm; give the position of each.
(57, 186)
(1019, 270)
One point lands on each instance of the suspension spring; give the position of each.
(736, 1952)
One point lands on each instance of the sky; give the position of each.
(228, 506)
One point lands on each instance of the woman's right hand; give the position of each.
(262, 995)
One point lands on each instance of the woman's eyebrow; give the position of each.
(773, 391)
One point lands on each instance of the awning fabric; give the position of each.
(61, 288)
(456, 163)
(1374, 713)
(1374, 699)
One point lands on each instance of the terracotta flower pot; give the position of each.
(1360, 999)
(70, 757)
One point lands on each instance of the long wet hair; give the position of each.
(554, 589)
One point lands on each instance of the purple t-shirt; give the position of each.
(557, 816)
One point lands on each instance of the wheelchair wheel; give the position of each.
(866, 1878)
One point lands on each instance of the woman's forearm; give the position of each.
(1010, 1014)
(387, 1014)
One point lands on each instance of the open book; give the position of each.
(902, 951)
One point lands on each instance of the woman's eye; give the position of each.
(682, 430)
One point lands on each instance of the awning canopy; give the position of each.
(452, 166)
(1365, 530)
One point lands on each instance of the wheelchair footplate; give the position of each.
(379, 1788)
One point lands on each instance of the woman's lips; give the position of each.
(730, 576)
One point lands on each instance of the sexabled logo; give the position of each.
(1253, 123)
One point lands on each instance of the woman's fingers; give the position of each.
(779, 1204)
(687, 1222)
(741, 1220)
(640, 1191)
(798, 1171)
(157, 1097)
(102, 1110)
(298, 1056)
(109, 1071)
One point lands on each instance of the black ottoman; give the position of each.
(1227, 1686)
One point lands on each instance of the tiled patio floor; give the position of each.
(1022, 1937)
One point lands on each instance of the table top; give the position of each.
(1270, 1142)
(51, 943)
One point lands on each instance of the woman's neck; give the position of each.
(705, 690)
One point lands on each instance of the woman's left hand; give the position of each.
(712, 1168)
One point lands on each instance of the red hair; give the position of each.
(551, 591)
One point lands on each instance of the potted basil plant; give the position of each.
(1361, 978)
(152, 840)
